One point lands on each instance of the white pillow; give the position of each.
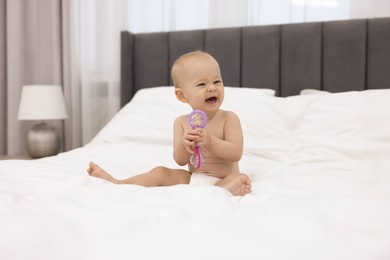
(353, 125)
(321, 128)
(251, 91)
(149, 116)
(294, 130)
(303, 128)
(310, 91)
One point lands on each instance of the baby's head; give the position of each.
(198, 81)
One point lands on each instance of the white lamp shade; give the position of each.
(42, 102)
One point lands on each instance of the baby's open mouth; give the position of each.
(211, 100)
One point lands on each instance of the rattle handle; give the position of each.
(197, 151)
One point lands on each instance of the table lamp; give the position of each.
(42, 102)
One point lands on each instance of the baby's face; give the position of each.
(202, 84)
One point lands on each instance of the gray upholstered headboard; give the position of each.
(334, 56)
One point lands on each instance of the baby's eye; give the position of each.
(201, 85)
(217, 82)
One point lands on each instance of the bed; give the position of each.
(313, 100)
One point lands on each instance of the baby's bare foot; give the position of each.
(95, 171)
(237, 184)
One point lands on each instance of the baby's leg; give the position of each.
(95, 171)
(237, 184)
(158, 176)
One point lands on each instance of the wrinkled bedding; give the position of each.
(320, 171)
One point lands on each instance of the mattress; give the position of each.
(318, 162)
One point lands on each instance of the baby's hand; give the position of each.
(203, 139)
(197, 136)
(190, 138)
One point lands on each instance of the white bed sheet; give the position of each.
(321, 187)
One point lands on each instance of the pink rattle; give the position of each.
(197, 119)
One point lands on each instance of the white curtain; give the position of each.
(83, 39)
(30, 54)
(94, 32)
(374, 8)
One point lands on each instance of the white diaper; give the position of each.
(202, 179)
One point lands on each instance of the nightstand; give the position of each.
(15, 157)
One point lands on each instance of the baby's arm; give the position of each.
(231, 147)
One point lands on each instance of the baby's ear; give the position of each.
(180, 95)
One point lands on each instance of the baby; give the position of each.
(198, 82)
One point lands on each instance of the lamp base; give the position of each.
(43, 140)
